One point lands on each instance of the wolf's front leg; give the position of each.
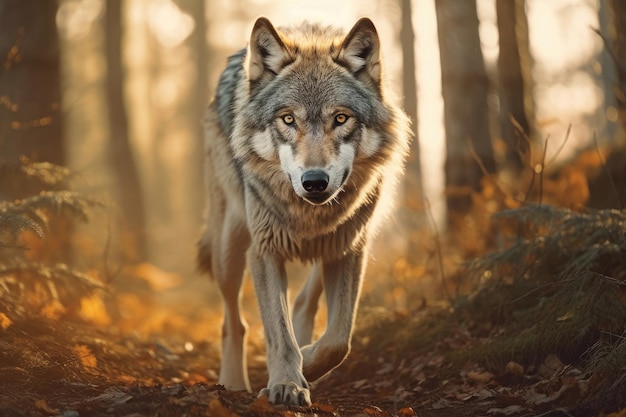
(342, 284)
(286, 383)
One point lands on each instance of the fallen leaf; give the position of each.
(442, 403)
(261, 406)
(324, 408)
(87, 359)
(479, 395)
(506, 411)
(480, 377)
(372, 410)
(92, 309)
(436, 361)
(360, 383)
(216, 408)
(514, 368)
(5, 322)
(550, 366)
(406, 412)
(113, 396)
(42, 405)
(53, 310)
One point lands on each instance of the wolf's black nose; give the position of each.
(314, 181)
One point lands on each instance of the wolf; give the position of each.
(303, 150)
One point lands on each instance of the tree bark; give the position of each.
(618, 38)
(121, 153)
(512, 113)
(409, 82)
(464, 89)
(413, 189)
(31, 123)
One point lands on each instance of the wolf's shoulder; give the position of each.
(226, 87)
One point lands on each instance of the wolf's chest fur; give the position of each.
(305, 232)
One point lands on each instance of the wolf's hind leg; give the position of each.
(305, 306)
(228, 271)
(342, 284)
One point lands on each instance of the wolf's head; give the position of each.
(313, 103)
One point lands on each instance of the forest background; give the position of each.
(519, 110)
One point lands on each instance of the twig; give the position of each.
(543, 168)
(522, 133)
(497, 181)
(558, 151)
(477, 158)
(607, 45)
(532, 179)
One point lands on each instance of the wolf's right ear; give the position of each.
(360, 51)
(267, 53)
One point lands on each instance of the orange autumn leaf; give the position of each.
(83, 353)
(92, 309)
(5, 322)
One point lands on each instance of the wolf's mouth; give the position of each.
(317, 199)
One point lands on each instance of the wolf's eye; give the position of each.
(340, 119)
(288, 119)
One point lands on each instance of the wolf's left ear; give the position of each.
(267, 53)
(360, 51)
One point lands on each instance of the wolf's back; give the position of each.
(226, 87)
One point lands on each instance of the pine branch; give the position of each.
(56, 203)
(12, 224)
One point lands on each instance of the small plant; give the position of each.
(29, 277)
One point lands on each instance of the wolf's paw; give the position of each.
(287, 394)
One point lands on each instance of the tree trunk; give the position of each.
(413, 189)
(30, 82)
(512, 113)
(199, 103)
(409, 83)
(464, 90)
(618, 38)
(121, 154)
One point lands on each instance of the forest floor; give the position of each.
(533, 322)
(146, 359)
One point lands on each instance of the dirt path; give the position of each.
(70, 369)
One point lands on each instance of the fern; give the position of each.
(11, 224)
(21, 276)
(559, 287)
(55, 203)
(34, 213)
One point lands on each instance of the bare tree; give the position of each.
(30, 82)
(464, 90)
(514, 124)
(121, 154)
